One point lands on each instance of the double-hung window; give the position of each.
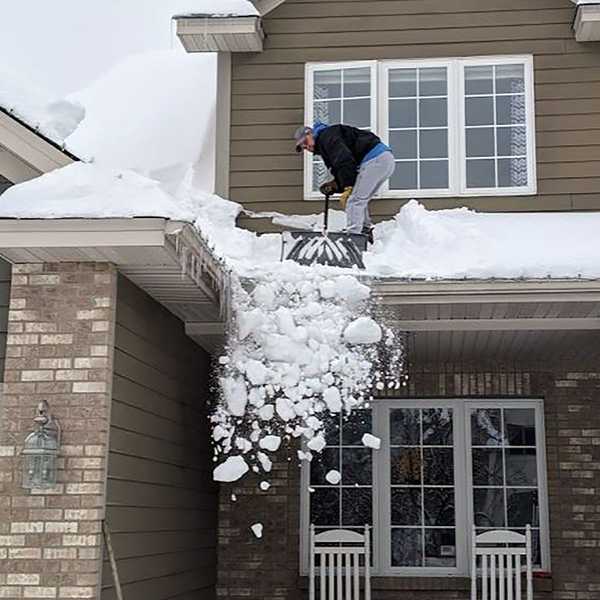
(443, 466)
(457, 127)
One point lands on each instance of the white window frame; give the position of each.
(310, 70)
(457, 160)
(463, 476)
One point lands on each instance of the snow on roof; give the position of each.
(221, 8)
(578, 2)
(53, 118)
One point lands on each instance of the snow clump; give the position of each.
(371, 441)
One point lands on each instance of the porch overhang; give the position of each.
(216, 33)
(167, 259)
(497, 320)
(587, 21)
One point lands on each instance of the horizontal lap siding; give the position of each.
(161, 502)
(268, 90)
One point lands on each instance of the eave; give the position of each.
(206, 33)
(167, 259)
(587, 22)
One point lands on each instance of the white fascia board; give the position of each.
(264, 7)
(220, 34)
(587, 22)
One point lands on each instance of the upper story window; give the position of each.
(457, 127)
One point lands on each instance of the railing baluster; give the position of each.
(484, 577)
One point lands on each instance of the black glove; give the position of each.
(329, 188)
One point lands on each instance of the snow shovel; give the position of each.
(334, 249)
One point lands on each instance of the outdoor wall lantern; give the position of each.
(40, 451)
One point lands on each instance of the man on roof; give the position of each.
(359, 162)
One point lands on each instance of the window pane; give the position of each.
(403, 113)
(402, 83)
(488, 467)
(357, 506)
(439, 506)
(519, 424)
(521, 466)
(405, 466)
(440, 548)
(354, 426)
(434, 174)
(433, 82)
(486, 427)
(512, 141)
(328, 84)
(433, 112)
(481, 173)
(434, 143)
(510, 79)
(356, 466)
(479, 80)
(332, 429)
(407, 548)
(522, 507)
(329, 112)
(322, 463)
(479, 111)
(510, 110)
(357, 113)
(438, 466)
(512, 172)
(488, 505)
(325, 506)
(357, 82)
(437, 427)
(404, 177)
(480, 142)
(404, 143)
(405, 427)
(320, 173)
(406, 506)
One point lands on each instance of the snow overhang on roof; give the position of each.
(220, 33)
(587, 20)
(25, 153)
(534, 320)
(167, 259)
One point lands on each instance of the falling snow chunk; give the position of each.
(264, 485)
(363, 330)
(370, 441)
(332, 398)
(233, 498)
(236, 395)
(256, 372)
(249, 322)
(351, 290)
(266, 412)
(284, 409)
(305, 455)
(231, 470)
(270, 442)
(265, 462)
(257, 530)
(333, 477)
(317, 443)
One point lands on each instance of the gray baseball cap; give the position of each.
(300, 135)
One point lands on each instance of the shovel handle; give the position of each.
(326, 219)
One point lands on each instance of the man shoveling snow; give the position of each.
(359, 162)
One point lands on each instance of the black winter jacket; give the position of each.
(343, 148)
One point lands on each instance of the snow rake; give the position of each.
(333, 249)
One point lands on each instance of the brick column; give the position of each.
(59, 349)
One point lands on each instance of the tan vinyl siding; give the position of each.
(161, 501)
(268, 90)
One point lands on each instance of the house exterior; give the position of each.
(488, 104)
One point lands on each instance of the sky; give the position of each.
(64, 45)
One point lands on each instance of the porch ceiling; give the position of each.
(167, 259)
(495, 321)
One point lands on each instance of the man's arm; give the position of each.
(342, 161)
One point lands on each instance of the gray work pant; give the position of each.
(371, 176)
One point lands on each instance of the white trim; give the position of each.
(456, 122)
(463, 478)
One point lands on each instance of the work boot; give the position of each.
(367, 230)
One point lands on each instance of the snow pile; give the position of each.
(54, 118)
(290, 362)
(460, 243)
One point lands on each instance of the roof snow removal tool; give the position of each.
(333, 249)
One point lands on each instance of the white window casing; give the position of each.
(463, 484)
(456, 126)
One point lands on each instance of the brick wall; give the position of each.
(253, 569)
(59, 349)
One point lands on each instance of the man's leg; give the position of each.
(371, 177)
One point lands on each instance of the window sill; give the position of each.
(399, 583)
